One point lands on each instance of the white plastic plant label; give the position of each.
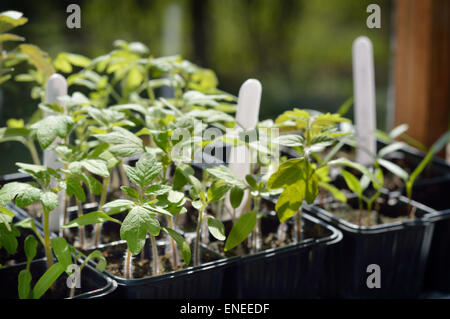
(247, 114)
(364, 99)
(56, 88)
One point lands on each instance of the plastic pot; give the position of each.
(201, 282)
(292, 271)
(435, 195)
(400, 249)
(93, 283)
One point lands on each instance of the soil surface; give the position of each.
(143, 263)
(385, 211)
(274, 234)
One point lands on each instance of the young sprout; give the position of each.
(67, 258)
(359, 186)
(25, 194)
(201, 198)
(299, 178)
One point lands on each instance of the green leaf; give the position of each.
(435, 148)
(135, 227)
(49, 200)
(28, 197)
(123, 142)
(352, 182)
(287, 174)
(62, 251)
(175, 197)
(91, 219)
(9, 191)
(224, 173)
(96, 167)
(11, 19)
(391, 148)
(47, 279)
(334, 191)
(130, 192)
(398, 130)
(30, 247)
(251, 181)
(241, 229)
(357, 166)
(181, 177)
(6, 211)
(157, 189)
(74, 188)
(290, 201)
(236, 195)
(51, 127)
(101, 264)
(8, 240)
(217, 191)
(24, 287)
(181, 243)
(290, 140)
(118, 206)
(216, 228)
(39, 59)
(393, 168)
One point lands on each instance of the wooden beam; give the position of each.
(422, 67)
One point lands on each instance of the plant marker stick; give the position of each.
(364, 97)
(56, 88)
(247, 114)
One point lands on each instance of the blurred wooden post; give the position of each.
(422, 67)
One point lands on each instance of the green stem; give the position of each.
(298, 225)
(197, 237)
(128, 265)
(102, 202)
(80, 213)
(174, 248)
(33, 152)
(123, 175)
(155, 257)
(47, 243)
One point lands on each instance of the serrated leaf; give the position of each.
(96, 167)
(224, 173)
(51, 127)
(135, 227)
(74, 188)
(290, 201)
(49, 200)
(157, 189)
(130, 192)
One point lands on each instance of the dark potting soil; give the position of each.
(385, 211)
(274, 234)
(143, 263)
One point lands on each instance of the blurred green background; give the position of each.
(299, 49)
